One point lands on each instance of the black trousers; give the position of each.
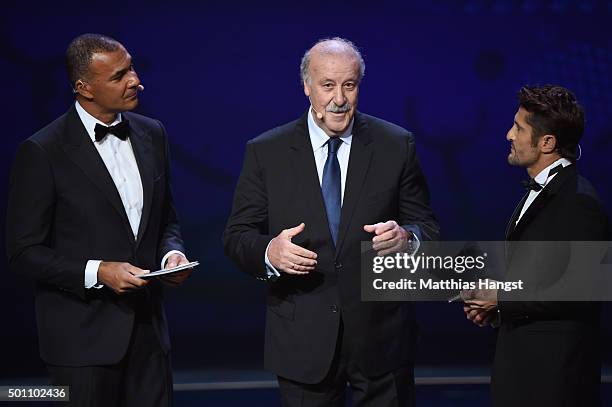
(142, 378)
(393, 389)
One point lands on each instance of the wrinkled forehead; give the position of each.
(331, 63)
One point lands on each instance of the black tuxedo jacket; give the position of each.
(64, 210)
(278, 189)
(547, 353)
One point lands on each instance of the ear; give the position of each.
(548, 143)
(306, 89)
(82, 88)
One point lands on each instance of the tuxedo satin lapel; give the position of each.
(80, 149)
(544, 196)
(536, 206)
(359, 163)
(307, 185)
(143, 152)
(517, 211)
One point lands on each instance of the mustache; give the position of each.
(334, 108)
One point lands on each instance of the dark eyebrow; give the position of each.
(123, 71)
(119, 74)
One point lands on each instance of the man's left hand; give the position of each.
(176, 279)
(484, 296)
(390, 237)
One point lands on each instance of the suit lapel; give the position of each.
(308, 186)
(308, 181)
(359, 163)
(517, 211)
(542, 199)
(535, 208)
(140, 140)
(78, 147)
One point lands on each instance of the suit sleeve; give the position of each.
(416, 215)
(585, 220)
(29, 226)
(246, 234)
(170, 232)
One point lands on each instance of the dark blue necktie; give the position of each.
(331, 187)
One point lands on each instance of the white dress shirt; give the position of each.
(319, 139)
(543, 179)
(120, 162)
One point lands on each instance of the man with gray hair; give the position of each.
(309, 193)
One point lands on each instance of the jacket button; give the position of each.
(338, 265)
(334, 308)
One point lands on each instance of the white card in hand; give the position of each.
(169, 271)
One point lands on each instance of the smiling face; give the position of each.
(111, 85)
(333, 88)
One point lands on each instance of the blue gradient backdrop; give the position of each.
(220, 74)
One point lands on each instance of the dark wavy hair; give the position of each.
(80, 52)
(554, 110)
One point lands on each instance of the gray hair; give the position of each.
(348, 45)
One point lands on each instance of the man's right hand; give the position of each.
(288, 257)
(481, 316)
(121, 277)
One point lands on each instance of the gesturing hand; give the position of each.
(289, 257)
(390, 237)
(121, 277)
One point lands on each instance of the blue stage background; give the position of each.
(220, 74)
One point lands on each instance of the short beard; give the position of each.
(512, 160)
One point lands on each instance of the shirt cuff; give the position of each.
(91, 274)
(270, 270)
(171, 252)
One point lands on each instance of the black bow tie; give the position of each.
(120, 130)
(533, 185)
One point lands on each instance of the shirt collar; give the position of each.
(542, 176)
(318, 137)
(90, 122)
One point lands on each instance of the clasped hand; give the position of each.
(480, 306)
